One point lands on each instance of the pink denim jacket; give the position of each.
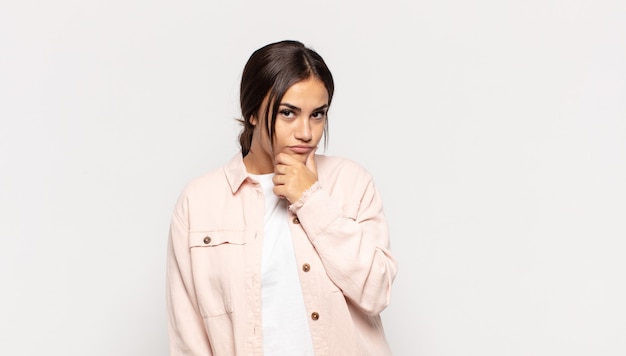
(341, 242)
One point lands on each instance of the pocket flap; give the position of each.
(216, 237)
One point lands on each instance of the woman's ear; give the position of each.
(253, 120)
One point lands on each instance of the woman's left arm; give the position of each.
(351, 236)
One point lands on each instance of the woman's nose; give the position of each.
(303, 131)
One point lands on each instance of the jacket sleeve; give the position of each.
(352, 239)
(187, 335)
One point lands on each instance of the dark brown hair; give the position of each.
(270, 71)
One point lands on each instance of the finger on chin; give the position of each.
(283, 158)
(310, 161)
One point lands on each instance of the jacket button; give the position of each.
(296, 220)
(207, 240)
(306, 267)
(315, 316)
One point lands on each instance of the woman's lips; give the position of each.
(301, 149)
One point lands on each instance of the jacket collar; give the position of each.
(235, 172)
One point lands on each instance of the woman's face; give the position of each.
(299, 127)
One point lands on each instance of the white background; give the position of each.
(495, 130)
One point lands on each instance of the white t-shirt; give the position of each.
(285, 325)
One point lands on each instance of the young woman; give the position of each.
(280, 251)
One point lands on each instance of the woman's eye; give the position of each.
(286, 113)
(319, 115)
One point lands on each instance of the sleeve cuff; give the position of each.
(312, 190)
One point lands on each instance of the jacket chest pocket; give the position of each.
(217, 262)
(214, 238)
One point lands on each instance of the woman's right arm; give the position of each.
(187, 335)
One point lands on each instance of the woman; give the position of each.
(281, 251)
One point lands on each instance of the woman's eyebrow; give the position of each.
(292, 107)
(323, 107)
(295, 108)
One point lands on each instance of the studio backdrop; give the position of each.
(494, 130)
